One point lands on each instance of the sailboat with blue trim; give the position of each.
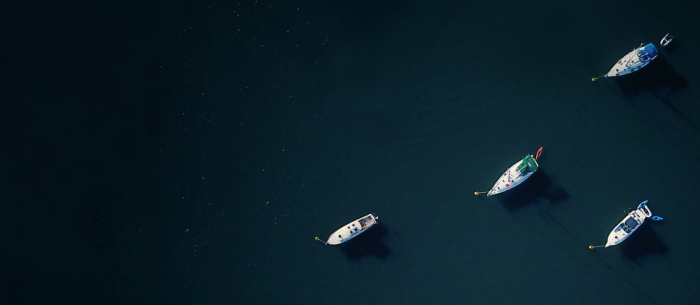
(629, 225)
(633, 61)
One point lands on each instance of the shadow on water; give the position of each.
(370, 243)
(661, 81)
(539, 185)
(644, 241)
(659, 78)
(672, 47)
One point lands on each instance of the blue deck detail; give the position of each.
(648, 52)
(642, 204)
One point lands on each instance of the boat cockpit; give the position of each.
(647, 53)
(629, 225)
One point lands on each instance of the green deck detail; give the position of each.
(528, 165)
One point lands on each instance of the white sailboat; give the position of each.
(628, 225)
(515, 175)
(351, 230)
(633, 61)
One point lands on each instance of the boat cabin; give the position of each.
(629, 225)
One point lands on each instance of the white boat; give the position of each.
(629, 224)
(352, 229)
(516, 174)
(666, 40)
(633, 61)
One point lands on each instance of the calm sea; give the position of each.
(193, 151)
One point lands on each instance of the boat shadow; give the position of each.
(671, 48)
(538, 186)
(370, 243)
(659, 78)
(643, 242)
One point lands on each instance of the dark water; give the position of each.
(189, 153)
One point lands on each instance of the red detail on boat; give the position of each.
(507, 184)
(539, 152)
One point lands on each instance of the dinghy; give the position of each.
(351, 230)
(666, 40)
(515, 175)
(628, 225)
(633, 61)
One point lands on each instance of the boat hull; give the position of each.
(628, 225)
(352, 229)
(633, 61)
(510, 179)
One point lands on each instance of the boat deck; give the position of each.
(367, 222)
(352, 229)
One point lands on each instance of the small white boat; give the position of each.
(666, 40)
(352, 229)
(633, 61)
(629, 224)
(516, 174)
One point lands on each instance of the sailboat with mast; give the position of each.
(516, 174)
(633, 61)
(628, 225)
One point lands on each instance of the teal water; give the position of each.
(405, 109)
(266, 124)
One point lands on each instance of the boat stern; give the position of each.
(649, 52)
(644, 212)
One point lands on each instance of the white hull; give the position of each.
(666, 40)
(627, 226)
(633, 61)
(352, 229)
(510, 179)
